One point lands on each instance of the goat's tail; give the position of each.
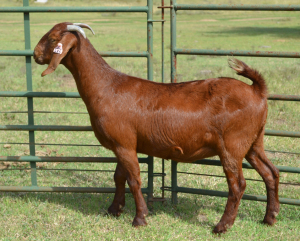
(241, 68)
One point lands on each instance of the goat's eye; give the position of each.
(52, 40)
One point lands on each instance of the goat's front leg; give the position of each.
(119, 199)
(129, 161)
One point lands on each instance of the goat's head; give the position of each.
(56, 44)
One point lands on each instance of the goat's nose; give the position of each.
(37, 55)
(36, 52)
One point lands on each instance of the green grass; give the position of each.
(60, 216)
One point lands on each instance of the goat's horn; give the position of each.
(77, 29)
(83, 25)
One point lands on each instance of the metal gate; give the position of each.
(175, 51)
(30, 95)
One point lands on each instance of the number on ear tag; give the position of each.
(58, 49)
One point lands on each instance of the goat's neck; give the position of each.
(90, 71)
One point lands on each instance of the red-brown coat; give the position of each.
(181, 121)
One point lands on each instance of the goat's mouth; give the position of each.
(39, 60)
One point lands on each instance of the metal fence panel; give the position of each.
(175, 51)
(30, 95)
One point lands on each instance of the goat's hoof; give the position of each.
(137, 222)
(116, 212)
(270, 217)
(220, 228)
(269, 221)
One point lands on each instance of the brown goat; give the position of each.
(180, 121)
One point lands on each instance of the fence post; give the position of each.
(150, 180)
(29, 88)
(150, 77)
(174, 181)
(150, 39)
(173, 42)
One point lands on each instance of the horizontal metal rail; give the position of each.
(102, 53)
(242, 7)
(16, 52)
(284, 97)
(39, 94)
(246, 165)
(76, 95)
(43, 112)
(89, 128)
(219, 176)
(95, 145)
(71, 170)
(282, 133)
(64, 159)
(225, 194)
(48, 144)
(29, 9)
(283, 152)
(64, 189)
(44, 128)
(247, 53)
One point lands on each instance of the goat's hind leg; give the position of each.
(119, 199)
(270, 174)
(237, 185)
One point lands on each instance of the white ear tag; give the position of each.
(58, 49)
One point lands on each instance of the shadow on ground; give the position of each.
(196, 210)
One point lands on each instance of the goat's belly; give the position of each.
(177, 153)
(191, 157)
(186, 146)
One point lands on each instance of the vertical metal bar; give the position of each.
(173, 80)
(162, 42)
(150, 180)
(173, 41)
(150, 39)
(163, 179)
(163, 80)
(29, 88)
(150, 77)
(174, 181)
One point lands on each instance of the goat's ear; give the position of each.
(59, 52)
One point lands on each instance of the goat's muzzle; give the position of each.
(38, 60)
(38, 56)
